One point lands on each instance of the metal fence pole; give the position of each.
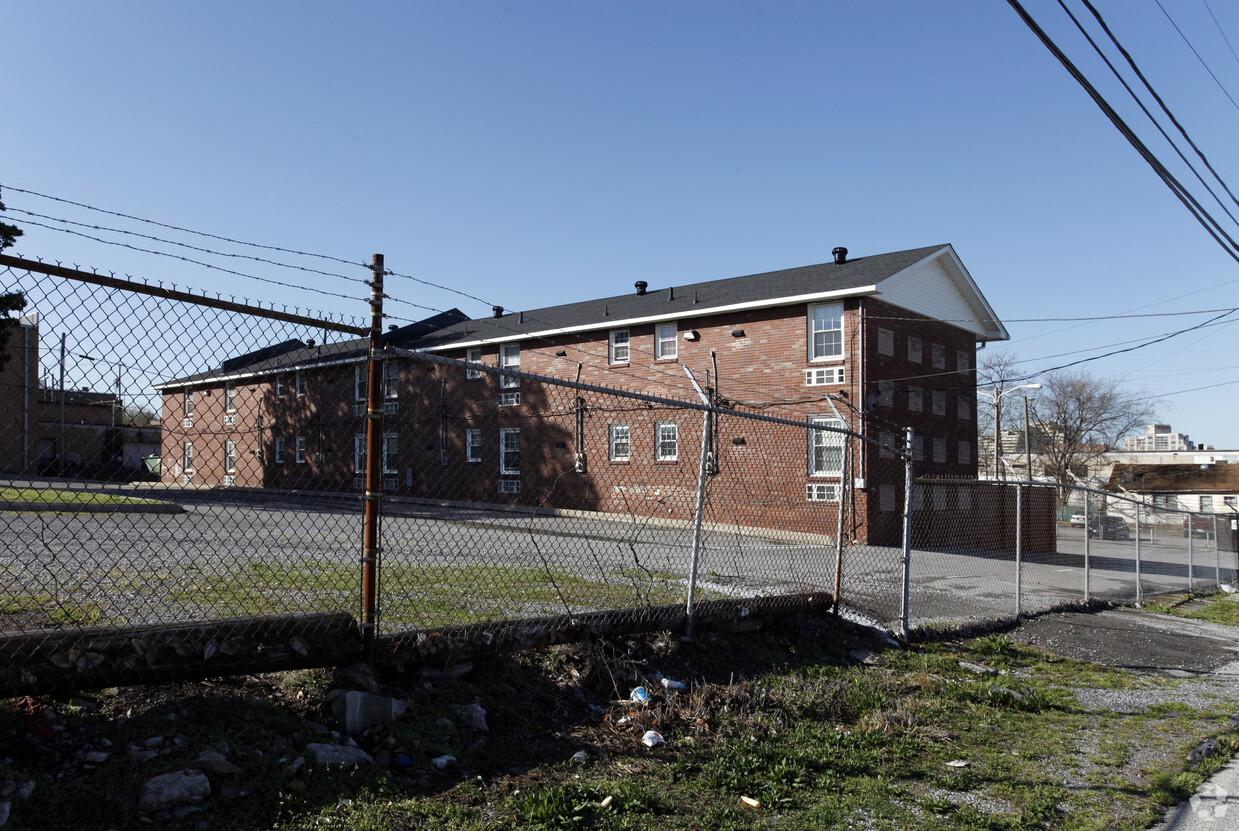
(374, 485)
(1139, 588)
(907, 530)
(1189, 556)
(843, 488)
(701, 497)
(1019, 548)
(1217, 551)
(1087, 504)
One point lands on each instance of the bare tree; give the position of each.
(1083, 417)
(997, 374)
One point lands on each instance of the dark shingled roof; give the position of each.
(684, 301)
(294, 353)
(1177, 478)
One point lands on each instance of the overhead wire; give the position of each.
(1197, 54)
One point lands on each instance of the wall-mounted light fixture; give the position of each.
(737, 333)
(563, 353)
(692, 334)
(738, 440)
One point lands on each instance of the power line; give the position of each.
(1197, 54)
(185, 230)
(1202, 216)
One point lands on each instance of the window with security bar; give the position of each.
(825, 447)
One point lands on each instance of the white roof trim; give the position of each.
(815, 297)
(243, 376)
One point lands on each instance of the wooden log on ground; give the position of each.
(93, 657)
(445, 645)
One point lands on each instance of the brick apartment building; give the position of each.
(872, 344)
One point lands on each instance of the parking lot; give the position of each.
(231, 554)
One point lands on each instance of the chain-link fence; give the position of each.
(186, 482)
(1021, 559)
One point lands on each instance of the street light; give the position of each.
(996, 396)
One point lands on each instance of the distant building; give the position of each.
(44, 429)
(1157, 437)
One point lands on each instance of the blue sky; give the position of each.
(532, 153)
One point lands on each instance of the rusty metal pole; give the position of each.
(374, 487)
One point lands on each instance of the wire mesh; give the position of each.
(184, 481)
(157, 475)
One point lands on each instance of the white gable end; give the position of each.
(937, 289)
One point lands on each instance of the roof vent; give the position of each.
(498, 310)
(641, 286)
(841, 255)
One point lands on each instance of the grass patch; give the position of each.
(1220, 608)
(69, 498)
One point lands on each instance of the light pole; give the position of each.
(996, 397)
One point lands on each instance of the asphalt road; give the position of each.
(237, 554)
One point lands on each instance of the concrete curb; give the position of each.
(88, 508)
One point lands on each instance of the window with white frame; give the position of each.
(963, 361)
(823, 376)
(510, 358)
(473, 445)
(361, 382)
(822, 491)
(230, 456)
(938, 355)
(666, 441)
(965, 453)
(279, 450)
(619, 346)
(391, 378)
(915, 401)
(1161, 500)
(619, 441)
(187, 456)
(914, 350)
(509, 485)
(1206, 503)
(187, 403)
(474, 356)
(886, 341)
(826, 332)
(940, 451)
(280, 383)
(939, 399)
(299, 449)
(963, 408)
(665, 340)
(825, 447)
(510, 450)
(299, 383)
(230, 397)
(359, 453)
(391, 451)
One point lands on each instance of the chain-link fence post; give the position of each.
(1139, 588)
(1087, 564)
(1189, 557)
(909, 483)
(843, 489)
(1217, 552)
(1019, 549)
(703, 465)
(373, 497)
